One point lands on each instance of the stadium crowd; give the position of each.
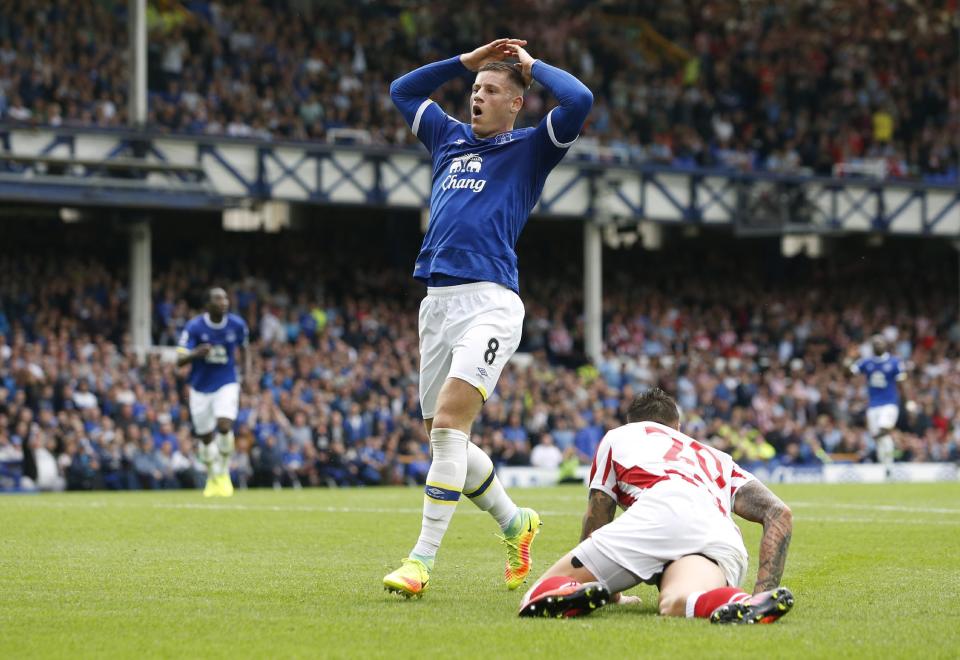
(756, 353)
(843, 87)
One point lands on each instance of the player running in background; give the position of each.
(676, 530)
(209, 342)
(884, 373)
(487, 177)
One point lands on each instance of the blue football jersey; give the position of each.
(219, 367)
(882, 374)
(485, 188)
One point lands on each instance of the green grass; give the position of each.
(875, 569)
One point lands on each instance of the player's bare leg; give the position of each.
(694, 586)
(566, 567)
(686, 576)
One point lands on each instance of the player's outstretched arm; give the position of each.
(564, 121)
(756, 503)
(600, 510)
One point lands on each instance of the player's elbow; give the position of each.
(396, 91)
(585, 98)
(581, 102)
(784, 516)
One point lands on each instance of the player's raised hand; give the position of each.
(495, 51)
(525, 65)
(201, 350)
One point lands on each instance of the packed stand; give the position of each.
(759, 369)
(847, 88)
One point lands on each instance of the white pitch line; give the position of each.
(298, 508)
(330, 509)
(873, 507)
(878, 521)
(335, 509)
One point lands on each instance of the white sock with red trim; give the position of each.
(701, 604)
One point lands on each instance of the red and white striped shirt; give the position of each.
(636, 457)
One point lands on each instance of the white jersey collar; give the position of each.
(215, 326)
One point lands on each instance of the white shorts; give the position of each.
(207, 407)
(668, 522)
(882, 417)
(468, 331)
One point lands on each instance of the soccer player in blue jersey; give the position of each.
(884, 373)
(209, 343)
(487, 177)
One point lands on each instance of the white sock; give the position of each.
(484, 488)
(885, 449)
(225, 444)
(692, 603)
(211, 457)
(444, 485)
(207, 453)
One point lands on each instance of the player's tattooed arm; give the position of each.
(756, 503)
(600, 510)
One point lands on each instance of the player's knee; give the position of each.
(451, 418)
(224, 425)
(442, 420)
(458, 404)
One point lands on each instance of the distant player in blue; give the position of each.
(884, 373)
(487, 177)
(209, 343)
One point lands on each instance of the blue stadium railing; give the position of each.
(162, 170)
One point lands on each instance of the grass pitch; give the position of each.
(875, 569)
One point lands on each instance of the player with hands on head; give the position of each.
(676, 530)
(487, 177)
(209, 343)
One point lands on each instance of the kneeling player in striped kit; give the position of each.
(676, 530)
(487, 177)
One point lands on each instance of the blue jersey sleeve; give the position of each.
(857, 366)
(411, 92)
(561, 127)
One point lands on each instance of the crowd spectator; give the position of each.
(866, 88)
(754, 348)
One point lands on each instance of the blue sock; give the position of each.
(423, 559)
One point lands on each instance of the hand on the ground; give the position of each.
(626, 600)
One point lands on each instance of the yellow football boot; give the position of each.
(224, 486)
(411, 579)
(211, 489)
(518, 549)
